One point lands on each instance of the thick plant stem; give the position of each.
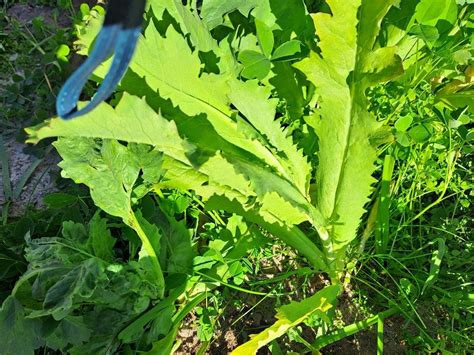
(295, 238)
(335, 261)
(160, 280)
(330, 255)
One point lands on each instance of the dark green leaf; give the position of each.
(17, 334)
(71, 330)
(425, 32)
(79, 282)
(59, 200)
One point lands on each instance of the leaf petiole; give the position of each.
(160, 280)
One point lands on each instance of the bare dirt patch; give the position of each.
(26, 13)
(40, 183)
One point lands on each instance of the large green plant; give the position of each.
(187, 119)
(221, 138)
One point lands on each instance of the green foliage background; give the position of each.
(345, 135)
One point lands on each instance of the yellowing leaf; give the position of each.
(290, 316)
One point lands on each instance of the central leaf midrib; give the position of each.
(352, 103)
(201, 101)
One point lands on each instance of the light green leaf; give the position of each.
(276, 209)
(403, 123)
(347, 66)
(436, 259)
(254, 102)
(222, 172)
(181, 176)
(291, 315)
(403, 139)
(420, 133)
(160, 6)
(192, 24)
(172, 68)
(151, 230)
(62, 52)
(430, 12)
(265, 182)
(256, 65)
(426, 33)
(287, 49)
(461, 99)
(149, 160)
(131, 121)
(108, 169)
(213, 11)
(265, 38)
(101, 240)
(88, 33)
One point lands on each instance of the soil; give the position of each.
(231, 335)
(24, 14)
(38, 185)
(42, 181)
(235, 326)
(365, 342)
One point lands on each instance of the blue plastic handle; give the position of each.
(116, 38)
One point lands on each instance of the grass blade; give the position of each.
(7, 187)
(383, 214)
(352, 329)
(435, 265)
(380, 336)
(24, 179)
